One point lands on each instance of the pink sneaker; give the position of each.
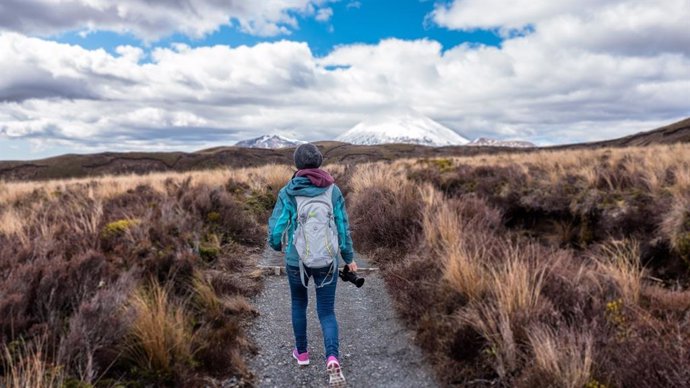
(335, 374)
(302, 359)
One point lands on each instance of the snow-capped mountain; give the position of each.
(406, 127)
(269, 141)
(486, 142)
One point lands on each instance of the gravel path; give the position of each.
(375, 350)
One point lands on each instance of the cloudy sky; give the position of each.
(92, 75)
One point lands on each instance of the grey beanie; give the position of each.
(308, 156)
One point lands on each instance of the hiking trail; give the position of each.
(375, 349)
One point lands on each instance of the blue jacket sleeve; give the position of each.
(343, 225)
(279, 221)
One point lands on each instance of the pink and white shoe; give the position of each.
(335, 374)
(302, 359)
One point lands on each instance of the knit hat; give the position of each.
(308, 156)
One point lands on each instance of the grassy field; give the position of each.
(132, 280)
(550, 268)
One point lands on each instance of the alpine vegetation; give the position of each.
(553, 268)
(131, 280)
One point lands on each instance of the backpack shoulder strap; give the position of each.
(326, 197)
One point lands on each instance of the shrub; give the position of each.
(117, 228)
(384, 214)
(94, 334)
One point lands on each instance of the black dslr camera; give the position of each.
(351, 277)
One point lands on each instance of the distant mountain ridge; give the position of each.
(487, 142)
(402, 128)
(269, 141)
(71, 165)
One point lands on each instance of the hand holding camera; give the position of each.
(349, 275)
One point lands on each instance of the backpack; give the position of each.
(316, 235)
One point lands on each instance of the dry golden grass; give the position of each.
(375, 175)
(676, 225)
(620, 261)
(464, 270)
(446, 235)
(108, 186)
(205, 297)
(272, 176)
(161, 335)
(517, 282)
(442, 227)
(651, 163)
(565, 356)
(27, 367)
(11, 223)
(494, 325)
(501, 278)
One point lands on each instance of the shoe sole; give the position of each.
(335, 377)
(301, 363)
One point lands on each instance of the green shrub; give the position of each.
(261, 202)
(210, 249)
(443, 165)
(213, 217)
(683, 244)
(118, 228)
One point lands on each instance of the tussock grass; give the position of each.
(205, 297)
(27, 366)
(495, 326)
(72, 251)
(374, 175)
(620, 261)
(464, 270)
(161, 336)
(516, 283)
(676, 226)
(446, 234)
(564, 358)
(467, 245)
(109, 186)
(11, 223)
(526, 269)
(270, 177)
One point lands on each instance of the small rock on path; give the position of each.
(375, 349)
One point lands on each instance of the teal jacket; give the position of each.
(284, 218)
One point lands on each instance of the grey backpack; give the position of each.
(316, 235)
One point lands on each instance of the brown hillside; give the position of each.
(674, 133)
(71, 165)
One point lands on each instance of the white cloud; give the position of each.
(625, 26)
(324, 14)
(574, 78)
(151, 20)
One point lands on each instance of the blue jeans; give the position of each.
(325, 308)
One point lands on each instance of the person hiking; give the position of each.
(310, 223)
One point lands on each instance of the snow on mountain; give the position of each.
(486, 142)
(269, 141)
(407, 127)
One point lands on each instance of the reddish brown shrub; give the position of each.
(90, 346)
(386, 218)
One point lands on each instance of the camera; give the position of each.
(351, 277)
